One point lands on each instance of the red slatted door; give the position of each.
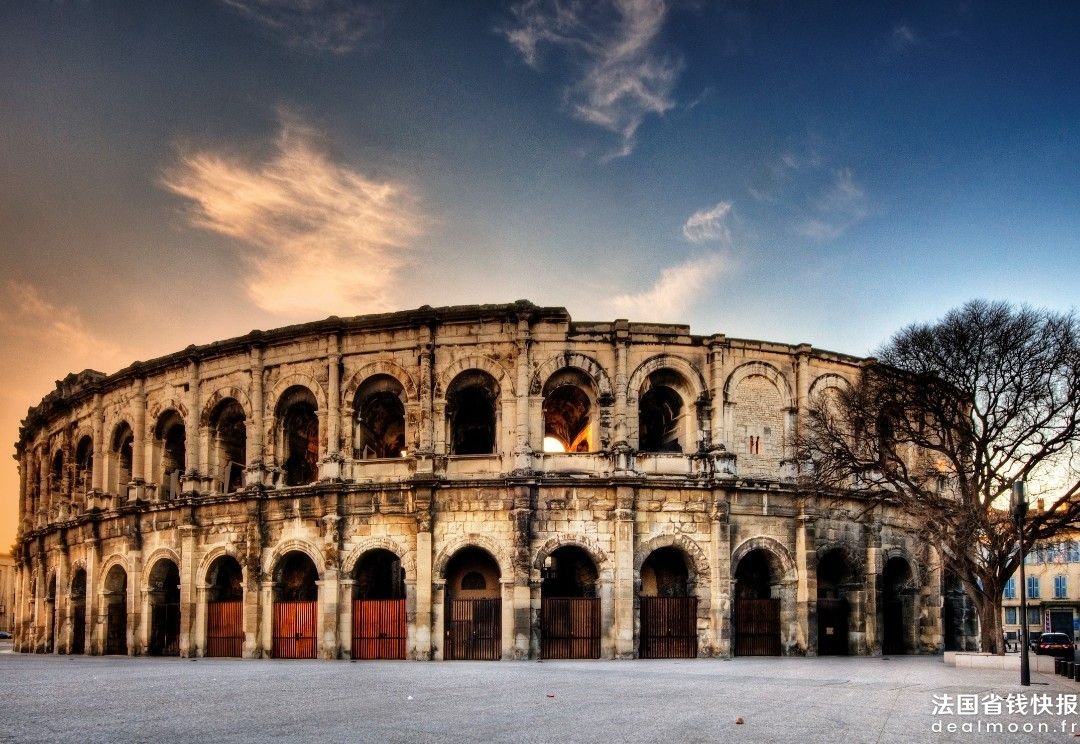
(379, 629)
(757, 627)
(474, 629)
(668, 627)
(225, 628)
(570, 628)
(294, 630)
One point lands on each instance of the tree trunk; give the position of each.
(991, 636)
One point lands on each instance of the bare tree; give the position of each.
(942, 423)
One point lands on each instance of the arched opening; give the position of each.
(228, 445)
(225, 608)
(756, 612)
(898, 607)
(121, 456)
(299, 430)
(379, 616)
(115, 601)
(569, 606)
(78, 612)
(569, 412)
(470, 410)
(661, 414)
(473, 606)
(56, 473)
(84, 466)
(296, 599)
(170, 456)
(50, 616)
(379, 430)
(163, 594)
(834, 581)
(668, 607)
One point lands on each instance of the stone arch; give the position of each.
(377, 367)
(164, 405)
(221, 394)
(828, 380)
(115, 559)
(211, 556)
(482, 363)
(760, 369)
(918, 569)
(690, 374)
(498, 553)
(854, 558)
(699, 562)
(571, 360)
(288, 546)
(295, 379)
(598, 556)
(772, 546)
(406, 556)
(151, 561)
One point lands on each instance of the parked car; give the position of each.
(1033, 641)
(4, 635)
(1055, 644)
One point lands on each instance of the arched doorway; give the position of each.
(569, 607)
(898, 608)
(228, 445)
(78, 612)
(471, 401)
(756, 613)
(473, 606)
(50, 616)
(296, 599)
(380, 628)
(834, 580)
(163, 593)
(298, 427)
(225, 608)
(115, 601)
(668, 607)
(379, 419)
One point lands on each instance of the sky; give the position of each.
(824, 173)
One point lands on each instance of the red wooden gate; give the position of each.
(474, 629)
(379, 629)
(668, 628)
(225, 628)
(757, 627)
(570, 628)
(294, 630)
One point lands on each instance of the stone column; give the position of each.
(97, 476)
(622, 340)
(330, 466)
(256, 455)
(607, 648)
(345, 623)
(520, 597)
(716, 380)
(138, 447)
(266, 615)
(94, 630)
(425, 442)
(136, 632)
(195, 435)
(188, 592)
(625, 580)
(522, 439)
(198, 632)
(872, 536)
(423, 623)
(509, 612)
(720, 591)
(438, 621)
(62, 603)
(328, 614)
(806, 588)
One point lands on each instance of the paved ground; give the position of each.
(115, 699)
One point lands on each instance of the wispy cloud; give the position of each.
(903, 37)
(677, 288)
(334, 26)
(838, 207)
(621, 76)
(319, 236)
(709, 225)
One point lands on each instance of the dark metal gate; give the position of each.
(225, 628)
(757, 627)
(379, 629)
(165, 630)
(832, 618)
(669, 628)
(294, 630)
(474, 629)
(570, 628)
(116, 629)
(78, 629)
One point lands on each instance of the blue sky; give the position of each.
(175, 173)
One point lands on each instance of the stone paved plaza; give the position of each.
(115, 699)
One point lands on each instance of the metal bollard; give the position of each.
(1070, 671)
(1058, 661)
(1076, 672)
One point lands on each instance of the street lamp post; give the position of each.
(1019, 510)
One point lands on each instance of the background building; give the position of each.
(475, 482)
(1053, 590)
(7, 592)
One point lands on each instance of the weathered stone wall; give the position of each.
(715, 510)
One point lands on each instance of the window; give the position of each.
(1034, 616)
(1033, 587)
(1072, 552)
(1010, 589)
(1061, 587)
(1010, 615)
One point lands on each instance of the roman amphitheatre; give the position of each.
(473, 482)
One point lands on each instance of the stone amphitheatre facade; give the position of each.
(476, 482)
